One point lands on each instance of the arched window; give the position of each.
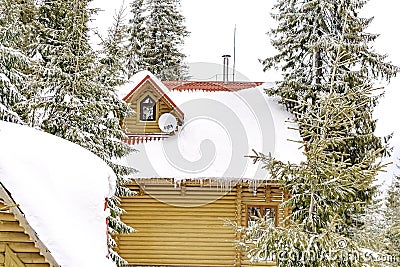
(148, 109)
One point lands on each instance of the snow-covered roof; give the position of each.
(61, 189)
(136, 79)
(220, 129)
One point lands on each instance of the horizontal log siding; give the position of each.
(133, 125)
(173, 235)
(176, 227)
(14, 236)
(265, 195)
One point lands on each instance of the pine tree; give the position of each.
(16, 26)
(75, 99)
(114, 53)
(323, 191)
(112, 73)
(305, 39)
(160, 50)
(137, 36)
(393, 220)
(332, 187)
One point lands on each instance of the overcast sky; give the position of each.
(211, 23)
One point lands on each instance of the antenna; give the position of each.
(234, 53)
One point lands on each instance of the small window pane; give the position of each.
(148, 109)
(254, 213)
(269, 213)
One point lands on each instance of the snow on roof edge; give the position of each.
(125, 89)
(49, 177)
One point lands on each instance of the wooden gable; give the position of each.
(143, 94)
(19, 244)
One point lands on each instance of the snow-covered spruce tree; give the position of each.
(304, 38)
(114, 53)
(112, 73)
(324, 189)
(137, 36)
(393, 220)
(75, 101)
(165, 32)
(16, 29)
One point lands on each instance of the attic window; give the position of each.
(148, 109)
(255, 212)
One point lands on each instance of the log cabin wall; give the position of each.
(267, 195)
(184, 225)
(134, 124)
(177, 234)
(16, 247)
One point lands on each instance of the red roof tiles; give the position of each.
(209, 86)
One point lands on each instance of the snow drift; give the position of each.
(61, 188)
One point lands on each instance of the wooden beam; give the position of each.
(238, 258)
(31, 234)
(11, 259)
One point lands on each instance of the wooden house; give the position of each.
(194, 177)
(19, 244)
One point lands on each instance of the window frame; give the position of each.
(154, 109)
(262, 206)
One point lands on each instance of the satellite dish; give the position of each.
(167, 122)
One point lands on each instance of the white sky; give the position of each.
(211, 23)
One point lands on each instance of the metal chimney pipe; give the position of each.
(226, 68)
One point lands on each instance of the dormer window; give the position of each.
(148, 109)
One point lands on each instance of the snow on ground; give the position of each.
(61, 189)
(220, 129)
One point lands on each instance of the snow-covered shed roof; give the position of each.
(220, 129)
(61, 189)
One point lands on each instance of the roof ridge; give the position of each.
(211, 86)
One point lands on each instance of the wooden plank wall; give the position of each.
(133, 125)
(13, 235)
(176, 235)
(266, 194)
(176, 228)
